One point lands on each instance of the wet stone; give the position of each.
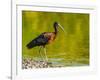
(30, 63)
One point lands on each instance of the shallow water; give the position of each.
(64, 62)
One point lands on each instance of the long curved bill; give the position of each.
(62, 28)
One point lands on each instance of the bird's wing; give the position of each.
(40, 40)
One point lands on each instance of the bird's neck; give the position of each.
(56, 31)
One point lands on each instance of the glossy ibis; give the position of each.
(45, 38)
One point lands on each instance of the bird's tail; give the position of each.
(31, 44)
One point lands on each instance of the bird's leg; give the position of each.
(40, 53)
(45, 54)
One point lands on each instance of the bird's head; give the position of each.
(56, 25)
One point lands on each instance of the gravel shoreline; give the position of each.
(30, 64)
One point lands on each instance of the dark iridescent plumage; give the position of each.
(44, 38)
(40, 40)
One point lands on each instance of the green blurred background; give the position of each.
(70, 49)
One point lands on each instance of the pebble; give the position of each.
(29, 63)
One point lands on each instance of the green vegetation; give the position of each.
(70, 49)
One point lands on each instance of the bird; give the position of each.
(45, 38)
